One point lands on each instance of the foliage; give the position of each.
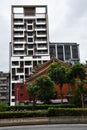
(46, 89)
(44, 113)
(76, 99)
(76, 78)
(33, 90)
(78, 71)
(58, 74)
(22, 114)
(67, 112)
(3, 106)
(37, 107)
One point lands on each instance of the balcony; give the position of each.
(41, 52)
(19, 47)
(4, 84)
(41, 40)
(3, 97)
(19, 29)
(40, 15)
(19, 53)
(42, 48)
(19, 41)
(3, 91)
(40, 21)
(41, 35)
(40, 29)
(18, 35)
(20, 15)
(18, 23)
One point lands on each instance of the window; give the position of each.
(60, 52)
(15, 63)
(29, 21)
(30, 33)
(30, 53)
(21, 87)
(52, 51)
(75, 51)
(27, 62)
(67, 52)
(30, 46)
(19, 70)
(29, 27)
(21, 95)
(30, 40)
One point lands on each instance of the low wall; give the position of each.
(44, 120)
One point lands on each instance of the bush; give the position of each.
(3, 106)
(45, 113)
(4, 115)
(67, 112)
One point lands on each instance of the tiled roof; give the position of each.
(43, 68)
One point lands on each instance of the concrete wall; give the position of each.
(44, 120)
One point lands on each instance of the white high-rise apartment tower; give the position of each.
(29, 45)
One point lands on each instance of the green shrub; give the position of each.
(37, 107)
(45, 113)
(3, 106)
(20, 114)
(67, 112)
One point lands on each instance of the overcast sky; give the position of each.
(67, 23)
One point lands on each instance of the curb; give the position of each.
(44, 120)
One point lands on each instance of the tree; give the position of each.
(82, 91)
(78, 71)
(46, 89)
(77, 80)
(33, 91)
(58, 74)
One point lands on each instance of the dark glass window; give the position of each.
(34, 63)
(52, 51)
(21, 94)
(30, 40)
(30, 53)
(27, 62)
(29, 27)
(30, 33)
(60, 52)
(30, 46)
(75, 51)
(67, 52)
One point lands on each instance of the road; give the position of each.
(48, 127)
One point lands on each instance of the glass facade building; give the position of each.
(67, 52)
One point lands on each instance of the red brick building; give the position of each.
(20, 89)
(21, 95)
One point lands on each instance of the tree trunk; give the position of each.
(34, 102)
(61, 95)
(82, 100)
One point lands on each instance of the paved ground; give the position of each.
(48, 127)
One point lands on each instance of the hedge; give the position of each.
(4, 115)
(45, 113)
(67, 112)
(37, 107)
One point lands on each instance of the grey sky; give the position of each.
(67, 23)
